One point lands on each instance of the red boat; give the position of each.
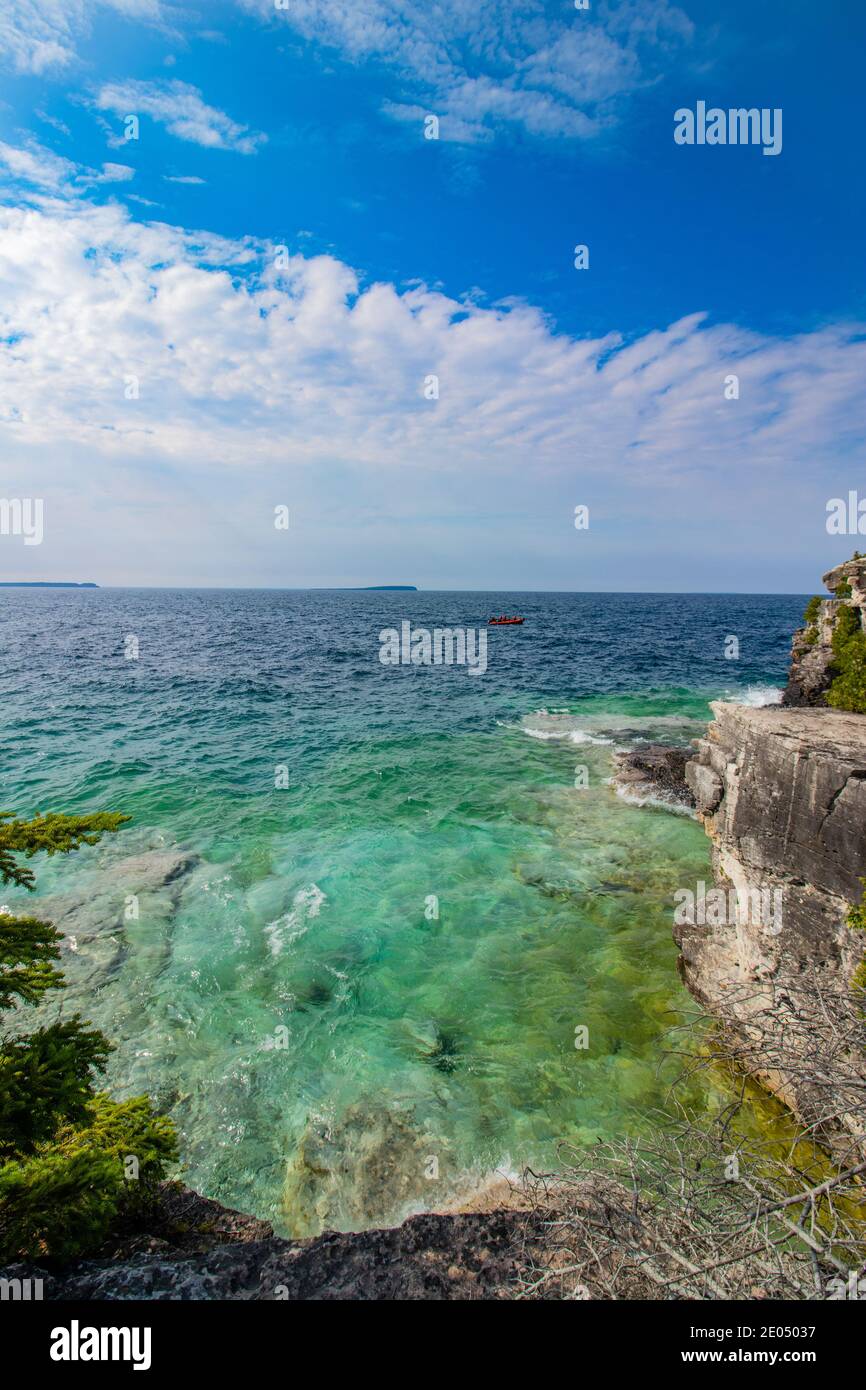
(504, 622)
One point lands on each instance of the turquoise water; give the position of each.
(359, 992)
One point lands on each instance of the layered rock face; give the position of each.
(782, 795)
(812, 653)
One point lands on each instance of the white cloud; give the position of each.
(183, 178)
(181, 109)
(486, 63)
(477, 64)
(34, 164)
(54, 121)
(37, 167)
(305, 386)
(39, 36)
(115, 173)
(236, 359)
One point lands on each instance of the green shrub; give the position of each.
(856, 918)
(125, 1131)
(61, 1201)
(810, 618)
(72, 1162)
(57, 1206)
(848, 688)
(47, 1078)
(813, 608)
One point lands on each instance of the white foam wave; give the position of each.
(641, 794)
(572, 735)
(758, 695)
(599, 728)
(306, 904)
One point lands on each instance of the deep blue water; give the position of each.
(302, 668)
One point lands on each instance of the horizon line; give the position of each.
(90, 586)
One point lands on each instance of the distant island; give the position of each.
(369, 588)
(43, 584)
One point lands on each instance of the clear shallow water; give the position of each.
(325, 1044)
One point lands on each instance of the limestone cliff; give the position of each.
(782, 795)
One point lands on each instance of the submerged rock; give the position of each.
(101, 911)
(98, 904)
(354, 1172)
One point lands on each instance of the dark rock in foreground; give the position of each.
(196, 1249)
(655, 768)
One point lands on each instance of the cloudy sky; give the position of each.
(237, 300)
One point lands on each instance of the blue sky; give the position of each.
(302, 385)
